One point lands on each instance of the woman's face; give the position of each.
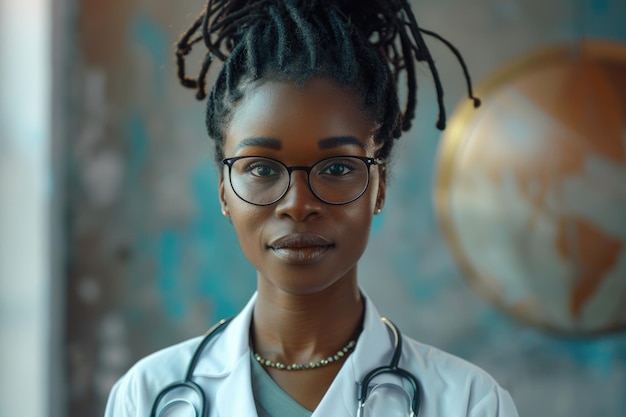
(300, 244)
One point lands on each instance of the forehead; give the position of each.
(298, 116)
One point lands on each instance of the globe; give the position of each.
(531, 188)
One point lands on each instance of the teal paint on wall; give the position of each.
(138, 148)
(169, 276)
(149, 35)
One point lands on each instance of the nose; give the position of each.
(299, 203)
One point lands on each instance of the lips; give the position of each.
(299, 241)
(300, 248)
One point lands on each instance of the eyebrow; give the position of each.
(259, 142)
(337, 141)
(275, 144)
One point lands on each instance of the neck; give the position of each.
(300, 328)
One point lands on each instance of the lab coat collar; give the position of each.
(229, 358)
(233, 346)
(374, 348)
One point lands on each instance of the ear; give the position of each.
(382, 189)
(222, 197)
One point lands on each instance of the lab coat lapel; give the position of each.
(229, 358)
(235, 398)
(374, 348)
(224, 354)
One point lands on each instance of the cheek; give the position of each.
(247, 220)
(244, 217)
(359, 216)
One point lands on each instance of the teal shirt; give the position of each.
(270, 399)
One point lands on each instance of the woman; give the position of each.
(304, 114)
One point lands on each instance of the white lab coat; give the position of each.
(450, 386)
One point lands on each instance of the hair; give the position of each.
(368, 47)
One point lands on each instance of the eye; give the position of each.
(262, 168)
(338, 167)
(262, 171)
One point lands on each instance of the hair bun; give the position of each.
(384, 30)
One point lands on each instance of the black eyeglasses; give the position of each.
(263, 181)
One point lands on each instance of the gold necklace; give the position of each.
(311, 365)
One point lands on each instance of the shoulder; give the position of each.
(456, 385)
(135, 392)
(164, 364)
(137, 388)
(444, 364)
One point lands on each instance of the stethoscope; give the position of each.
(362, 387)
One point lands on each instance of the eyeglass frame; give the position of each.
(367, 160)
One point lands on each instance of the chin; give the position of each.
(306, 279)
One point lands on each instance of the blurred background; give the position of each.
(112, 244)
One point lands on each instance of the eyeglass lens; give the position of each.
(263, 181)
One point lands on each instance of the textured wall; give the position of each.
(152, 261)
(24, 205)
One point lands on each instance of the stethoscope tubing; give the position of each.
(209, 335)
(392, 368)
(362, 387)
(188, 382)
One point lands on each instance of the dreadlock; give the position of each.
(364, 47)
